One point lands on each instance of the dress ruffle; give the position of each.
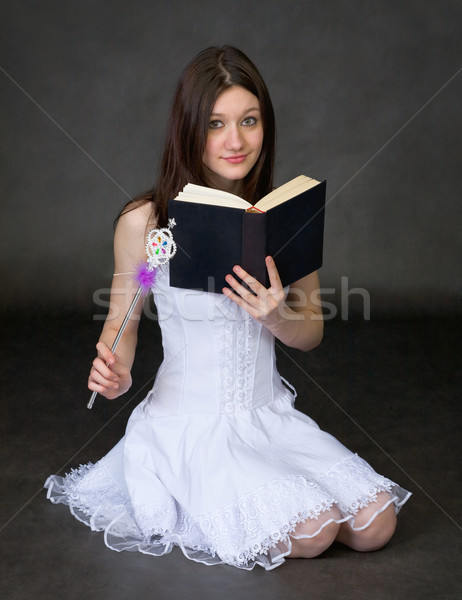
(255, 529)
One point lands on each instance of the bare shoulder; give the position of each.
(137, 218)
(130, 235)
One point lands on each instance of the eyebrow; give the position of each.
(253, 108)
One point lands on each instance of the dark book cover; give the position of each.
(212, 239)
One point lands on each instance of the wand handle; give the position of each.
(119, 334)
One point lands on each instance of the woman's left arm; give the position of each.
(296, 320)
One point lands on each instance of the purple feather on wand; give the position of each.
(146, 277)
(160, 248)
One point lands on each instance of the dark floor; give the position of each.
(388, 389)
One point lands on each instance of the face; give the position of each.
(234, 138)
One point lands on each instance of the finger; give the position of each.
(245, 293)
(252, 311)
(101, 371)
(102, 386)
(249, 280)
(104, 391)
(273, 273)
(105, 353)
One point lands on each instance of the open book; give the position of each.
(216, 230)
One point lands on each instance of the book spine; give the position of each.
(297, 246)
(254, 245)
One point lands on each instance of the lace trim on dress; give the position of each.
(253, 530)
(352, 476)
(240, 339)
(94, 483)
(242, 531)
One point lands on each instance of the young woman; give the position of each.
(216, 460)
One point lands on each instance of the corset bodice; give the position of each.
(216, 357)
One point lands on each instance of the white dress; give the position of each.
(215, 459)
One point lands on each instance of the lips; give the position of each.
(234, 160)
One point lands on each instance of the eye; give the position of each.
(249, 121)
(215, 124)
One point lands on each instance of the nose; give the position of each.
(234, 139)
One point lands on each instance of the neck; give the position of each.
(226, 185)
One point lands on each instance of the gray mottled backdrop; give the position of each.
(367, 95)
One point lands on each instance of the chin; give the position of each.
(227, 178)
(236, 175)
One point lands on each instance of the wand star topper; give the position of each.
(160, 248)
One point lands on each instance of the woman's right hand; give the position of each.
(108, 376)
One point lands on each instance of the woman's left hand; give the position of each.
(265, 305)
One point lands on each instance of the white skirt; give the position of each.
(225, 488)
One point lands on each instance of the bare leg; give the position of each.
(377, 534)
(311, 547)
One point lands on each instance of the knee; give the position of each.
(316, 545)
(378, 533)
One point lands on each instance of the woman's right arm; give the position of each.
(110, 373)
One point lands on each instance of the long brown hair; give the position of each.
(210, 73)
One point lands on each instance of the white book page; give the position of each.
(205, 195)
(284, 192)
